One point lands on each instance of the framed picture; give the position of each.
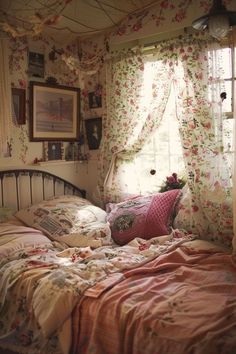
(36, 64)
(93, 132)
(18, 105)
(95, 101)
(54, 112)
(53, 150)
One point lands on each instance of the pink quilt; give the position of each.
(42, 282)
(183, 302)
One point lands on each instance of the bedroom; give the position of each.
(83, 63)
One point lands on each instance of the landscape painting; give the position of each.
(54, 112)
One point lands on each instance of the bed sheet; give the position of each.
(183, 302)
(44, 286)
(42, 282)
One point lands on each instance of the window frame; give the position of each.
(229, 43)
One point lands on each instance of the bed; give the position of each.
(76, 279)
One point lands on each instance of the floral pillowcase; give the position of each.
(69, 219)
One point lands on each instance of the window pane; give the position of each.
(227, 103)
(163, 152)
(227, 63)
(228, 128)
(177, 163)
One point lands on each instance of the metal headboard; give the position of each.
(27, 183)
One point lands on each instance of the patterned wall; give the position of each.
(164, 16)
(23, 151)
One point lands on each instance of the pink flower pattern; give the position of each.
(208, 185)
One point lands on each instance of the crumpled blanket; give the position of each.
(40, 286)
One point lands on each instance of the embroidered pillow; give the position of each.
(144, 217)
(69, 219)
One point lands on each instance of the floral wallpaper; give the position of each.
(81, 63)
(168, 10)
(163, 16)
(22, 150)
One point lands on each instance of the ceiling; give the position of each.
(65, 19)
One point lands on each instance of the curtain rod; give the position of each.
(167, 36)
(151, 41)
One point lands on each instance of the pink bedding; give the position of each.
(14, 235)
(41, 282)
(172, 294)
(183, 302)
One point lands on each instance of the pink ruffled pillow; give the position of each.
(144, 217)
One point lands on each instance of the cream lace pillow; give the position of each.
(69, 219)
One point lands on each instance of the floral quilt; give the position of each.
(41, 285)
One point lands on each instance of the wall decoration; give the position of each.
(53, 150)
(71, 152)
(36, 64)
(54, 112)
(51, 80)
(94, 132)
(28, 19)
(18, 105)
(95, 101)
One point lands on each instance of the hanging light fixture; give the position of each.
(218, 21)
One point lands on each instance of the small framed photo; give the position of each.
(53, 150)
(18, 105)
(95, 101)
(36, 64)
(93, 129)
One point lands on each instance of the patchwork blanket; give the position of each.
(41, 285)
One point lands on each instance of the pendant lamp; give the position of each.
(218, 21)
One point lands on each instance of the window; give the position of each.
(163, 152)
(229, 63)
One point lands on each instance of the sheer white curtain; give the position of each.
(5, 94)
(138, 87)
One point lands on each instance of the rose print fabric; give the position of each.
(193, 65)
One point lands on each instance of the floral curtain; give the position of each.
(198, 84)
(192, 64)
(131, 117)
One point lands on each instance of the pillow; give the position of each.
(69, 219)
(144, 217)
(6, 213)
(15, 237)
